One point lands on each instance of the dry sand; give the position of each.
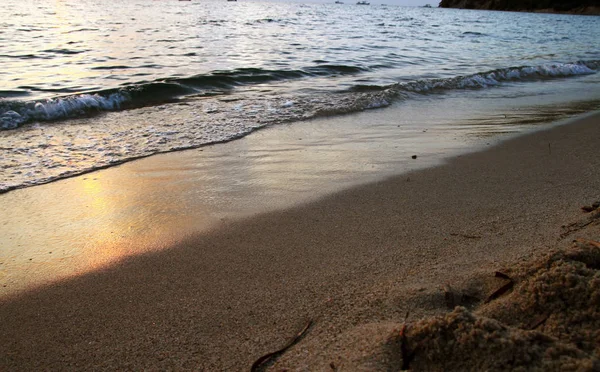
(354, 262)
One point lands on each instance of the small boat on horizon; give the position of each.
(363, 3)
(339, 2)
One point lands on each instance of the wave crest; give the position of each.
(16, 113)
(496, 77)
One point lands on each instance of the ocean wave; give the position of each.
(13, 93)
(42, 153)
(474, 33)
(63, 51)
(25, 56)
(486, 79)
(496, 77)
(15, 113)
(114, 67)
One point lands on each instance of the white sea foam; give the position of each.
(493, 78)
(44, 152)
(71, 106)
(84, 104)
(61, 108)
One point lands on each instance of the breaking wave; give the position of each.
(496, 77)
(15, 113)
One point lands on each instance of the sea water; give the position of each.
(89, 84)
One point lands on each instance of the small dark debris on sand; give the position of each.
(258, 364)
(591, 208)
(593, 218)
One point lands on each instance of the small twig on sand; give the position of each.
(579, 225)
(502, 290)
(466, 236)
(263, 359)
(538, 321)
(499, 274)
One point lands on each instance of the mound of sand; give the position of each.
(550, 321)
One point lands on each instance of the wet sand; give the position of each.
(352, 262)
(80, 224)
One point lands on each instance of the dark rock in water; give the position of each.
(557, 6)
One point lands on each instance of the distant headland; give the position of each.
(589, 7)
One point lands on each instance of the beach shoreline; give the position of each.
(221, 299)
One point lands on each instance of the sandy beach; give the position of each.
(354, 262)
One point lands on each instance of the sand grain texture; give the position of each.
(550, 321)
(355, 262)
